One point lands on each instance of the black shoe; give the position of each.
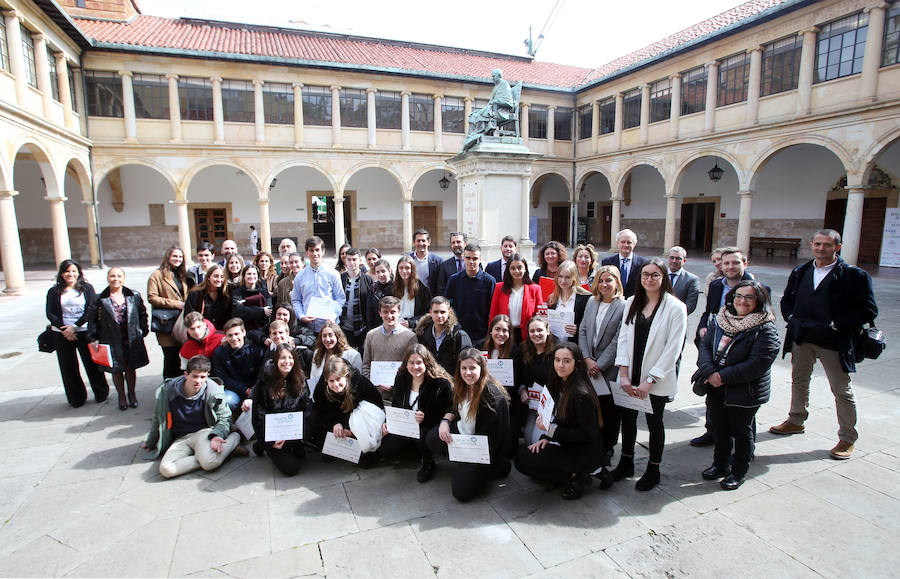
(606, 479)
(576, 487)
(258, 448)
(705, 439)
(101, 399)
(132, 400)
(650, 478)
(714, 472)
(368, 460)
(624, 469)
(426, 471)
(731, 482)
(505, 469)
(241, 451)
(123, 402)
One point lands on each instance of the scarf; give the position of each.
(733, 324)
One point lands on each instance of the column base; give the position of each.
(12, 291)
(175, 141)
(131, 140)
(218, 142)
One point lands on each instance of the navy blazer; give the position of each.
(445, 272)
(434, 267)
(495, 269)
(637, 262)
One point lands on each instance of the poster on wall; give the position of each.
(890, 242)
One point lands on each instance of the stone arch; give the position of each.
(428, 168)
(82, 175)
(555, 203)
(278, 169)
(380, 207)
(196, 169)
(696, 155)
(6, 182)
(101, 173)
(828, 144)
(45, 162)
(350, 173)
(875, 150)
(586, 174)
(433, 208)
(623, 175)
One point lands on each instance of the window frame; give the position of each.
(278, 103)
(562, 119)
(28, 56)
(54, 82)
(693, 90)
(4, 46)
(733, 79)
(607, 116)
(354, 108)
(238, 101)
(152, 89)
(453, 115)
(316, 99)
(890, 42)
(389, 110)
(112, 107)
(421, 112)
(585, 121)
(660, 100)
(631, 109)
(195, 98)
(833, 45)
(537, 121)
(778, 63)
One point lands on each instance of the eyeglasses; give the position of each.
(743, 298)
(648, 275)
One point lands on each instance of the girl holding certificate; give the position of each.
(331, 342)
(479, 407)
(575, 430)
(499, 345)
(568, 296)
(414, 296)
(536, 365)
(650, 341)
(281, 389)
(424, 387)
(516, 296)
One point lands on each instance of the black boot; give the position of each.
(606, 479)
(624, 469)
(427, 471)
(576, 487)
(650, 478)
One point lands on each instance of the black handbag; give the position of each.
(871, 342)
(163, 321)
(47, 341)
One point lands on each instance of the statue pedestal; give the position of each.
(494, 194)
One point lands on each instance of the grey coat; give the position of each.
(604, 351)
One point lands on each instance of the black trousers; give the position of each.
(394, 446)
(612, 421)
(733, 426)
(73, 384)
(468, 479)
(654, 424)
(171, 362)
(288, 458)
(552, 463)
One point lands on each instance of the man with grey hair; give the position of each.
(285, 249)
(627, 261)
(685, 285)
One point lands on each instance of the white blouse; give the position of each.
(465, 425)
(73, 304)
(515, 306)
(407, 306)
(602, 309)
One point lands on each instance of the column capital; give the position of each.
(745, 193)
(37, 36)
(9, 194)
(757, 48)
(127, 73)
(12, 13)
(810, 30)
(262, 200)
(297, 84)
(551, 107)
(676, 76)
(335, 87)
(405, 93)
(437, 96)
(671, 195)
(181, 202)
(216, 79)
(56, 199)
(880, 5)
(858, 190)
(470, 99)
(89, 203)
(258, 83)
(619, 95)
(371, 90)
(644, 86)
(60, 58)
(407, 201)
(618, 198)
(711, 64)
(525, 104)
(171, 76)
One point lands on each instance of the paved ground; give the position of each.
(76, 499)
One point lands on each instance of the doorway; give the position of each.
(426, 217)
(210, 223)
(559, 223)
(321, 213)
(697, 222)
(872, 224)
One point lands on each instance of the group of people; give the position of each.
(586, 347)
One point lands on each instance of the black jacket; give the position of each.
(375, 292)
(54, 307)
(447, 269)
(365, 285)
(435, 396)
(421, 306)
(264, 404)
(713, 299)
(581, 301)
(637, 262)
(579, 435)
(238, 368)
(218, 312)
(492, 420)
(457, 339)
(328, 405)
(852, 303)
(515, 354)
(252, 313)
(746, 370)
(102, 327)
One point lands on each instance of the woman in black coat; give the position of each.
(734, 365)
(500, 344)
(67, 307)
(575, 430)
(424, 387)
(119, 319)
(414, 296)
(250, 300)
(210, 297)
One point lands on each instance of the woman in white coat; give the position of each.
(650, 342)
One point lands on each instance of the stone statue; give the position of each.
(501, 110)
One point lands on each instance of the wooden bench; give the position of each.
(771, 244)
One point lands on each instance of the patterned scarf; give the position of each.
(733, 324)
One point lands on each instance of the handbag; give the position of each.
(163, 321)
(871, 342)
(179, 332)
(47, 341)
(700, 388)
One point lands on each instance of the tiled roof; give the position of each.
(213, 38)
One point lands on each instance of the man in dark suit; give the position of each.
(508, 248)
(428, 264)
(628, 263)
(453, 264)
(685, 284)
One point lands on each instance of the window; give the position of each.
(278, 103)
(585, 121)
(354, 109)
(607, 115)
(537, 122)
(151, 96)
(841, 46)
(890, 53)
(104, 94)
(388, 109)
(54, 82)
(28, 55)
(781, 65)
(238, 104)
(631, 109)
(693, 91)
(660, 100)
(734, 75)
(562, 124)
(453, 111)
(4, 47)
(72, 94)
(195, 98)
(421, 112)
(317, 106)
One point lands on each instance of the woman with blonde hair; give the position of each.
(585, 258)
(568, 296)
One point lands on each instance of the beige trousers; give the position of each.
(192, 452)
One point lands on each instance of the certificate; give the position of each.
(623, 400)
(469, 448)
(284, 426)
(245, 425)
(534, 396)
(502, 371)
(545, 410)
(321, 308)
(342, 448)
(383, 373)
(599, 384)
(558, 321)
(402, 422)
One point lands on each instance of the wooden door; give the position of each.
(872, 225)
(697, 221)
(559, 224)
(211, 224)
(426, 217)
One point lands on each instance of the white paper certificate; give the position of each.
(534, 396)
(383, 373)
(245, 425)
(284, 426)
(558, 321)
(342, 448)
(469, 448)
(402, 422)
(625, 401)
(502, 371)
(322, 308)
(545, 410)
(599, 384)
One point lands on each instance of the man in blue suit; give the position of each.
(628, 263)
(428, 264)
(508, 248)
(453, 264)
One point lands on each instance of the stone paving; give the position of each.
(76, 499)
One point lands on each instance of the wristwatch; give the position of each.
(651, 380)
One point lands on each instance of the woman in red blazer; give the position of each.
(517, 296)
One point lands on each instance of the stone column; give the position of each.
(265, 229)
(298, 114)
(335, 116)
(61, 249)
(259, 113)
(184, 228)
(551, 130)
(404, 120)
(523, 128)
(65, 94)
(93, 246)
(573, 223)
(615, 224)
(128, 106)
(868, 83)
(807, 68)
(645, 113)
(617, 124)
(339, 239)
(407, 225)
(16, 58)
(467, 110)
(856, 196)
(371, 119)
(174, 109)
(218, 113)
(675, 110)
(42, 69)
(671, 212)
(743, 231)
(712, 91)
(438, 123)
(10, 249)
(526, 211)
(753, 86)
(595, 126)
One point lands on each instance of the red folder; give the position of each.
(547, 284)
(101, 355)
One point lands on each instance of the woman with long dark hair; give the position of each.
(234, 265)
(210, 297)
(500, 345)
(414, 295)
(537, 364)
(167, 289)
(331, 341)
(265, 263)
(250, 300)
(516, 296)
(68, 302)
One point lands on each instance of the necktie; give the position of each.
(624, 271)
(458, 264)
(673, 277)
